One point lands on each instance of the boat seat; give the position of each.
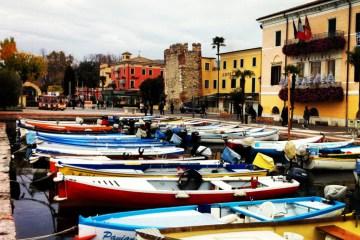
(269, 210)
(221, 184)
(337, 232)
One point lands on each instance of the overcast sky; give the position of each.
(82, 27)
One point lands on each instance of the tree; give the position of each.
(57, 64)
(8, 48)
(69, 80)
(11, 88)
(354, 59)
(30, 67)
(152, 90)
(88, 73)
(218, 42)
(243, 75)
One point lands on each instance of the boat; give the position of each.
(340, 227)
(64, 128)
(258, 133)
(274, 210)
(190, 188)
(330, 163)
(169, 170)
(63, 149)
(278, 146)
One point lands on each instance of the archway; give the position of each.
(31, 91)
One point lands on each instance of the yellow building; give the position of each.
(105, 71)
(326, 80)
(230, 62)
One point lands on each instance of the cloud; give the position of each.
(82, 27)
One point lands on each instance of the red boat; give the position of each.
(136, 193)
(69, 127)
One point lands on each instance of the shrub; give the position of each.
(11, 88)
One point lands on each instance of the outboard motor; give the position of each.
(298, 174)
(203, 151)
(190, 180)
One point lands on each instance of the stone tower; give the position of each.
(183, 73)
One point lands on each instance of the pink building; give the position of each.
(132, 71)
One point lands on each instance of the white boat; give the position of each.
(328, 163)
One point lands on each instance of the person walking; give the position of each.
(284, 116)
(203, 110)
(145, 109)
(306, 117)
(161, 108)
(172, 108)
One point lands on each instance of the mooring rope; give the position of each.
(50, 235)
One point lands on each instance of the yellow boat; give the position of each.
(343, 227)
(155, 172)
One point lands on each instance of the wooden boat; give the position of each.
(341, 227)
(103, 162)
(163, 192)
(62, 149)
(270, 134)
(54, 127)
(275, 146)
(330, 163)
(277, 210)
(169, 170)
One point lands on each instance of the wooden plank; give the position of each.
(337, 232)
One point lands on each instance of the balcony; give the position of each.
(319, 43)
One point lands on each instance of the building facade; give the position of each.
(230, 63)
(325, 82)
(183, 73)
(128, 75)
(105, 71)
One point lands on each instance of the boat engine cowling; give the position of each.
(298, 174)
(204, 151)
(335, 192)
(190, 180)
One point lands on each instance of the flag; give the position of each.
(295, 30)
(307, 29)
(300, 31)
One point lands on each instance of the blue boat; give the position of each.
(123, 225)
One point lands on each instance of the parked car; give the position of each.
(188, 108)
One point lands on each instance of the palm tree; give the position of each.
(243, 75)
(217, 43)
(354, 59)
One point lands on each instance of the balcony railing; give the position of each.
(319, 43)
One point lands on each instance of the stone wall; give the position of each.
(182, 72)
(7, 225)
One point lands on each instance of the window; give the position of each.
(206, 83)
(254, 62)
(215, 84)
(331, 67)
(275, 75)
(132, 71)
(207, 66)
(143, 71)
(132, 83)
(241, 63)
(277, 38)
(233, 83)
(357, 29)
(332, 27)
(315, 68)
(150, 72)
(223, 83)
(253, 85)
(224, 65)
(300, 66)
(235, 64)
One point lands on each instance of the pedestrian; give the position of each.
(172, 108)
(306, 117)
(203, 110)
(284, 116)
(161, 108)
(145, 109)
(238, 111)
(260, 110)
(252, 112)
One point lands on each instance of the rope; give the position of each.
(50, 235)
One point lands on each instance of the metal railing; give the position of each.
(317, 36)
